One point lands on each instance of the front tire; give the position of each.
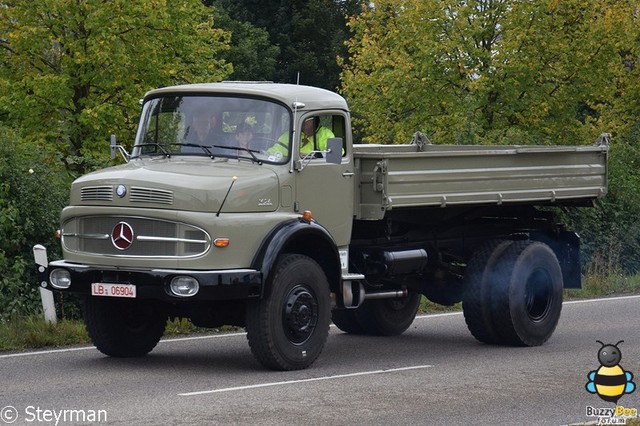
(287, 330)
(123, 328)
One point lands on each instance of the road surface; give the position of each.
(434, 374)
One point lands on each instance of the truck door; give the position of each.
(327, 190)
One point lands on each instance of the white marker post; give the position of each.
(48, 305)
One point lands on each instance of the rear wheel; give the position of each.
(123, 328)
(479, 285)
(528, 297)
(347, 321)
(287, 329)
(388, 317)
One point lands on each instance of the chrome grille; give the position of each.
(150, 195)
(151, 237)
(97, 193)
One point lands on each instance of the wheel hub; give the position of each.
(300, 315)
(538, 296)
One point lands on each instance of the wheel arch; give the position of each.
(301, 237)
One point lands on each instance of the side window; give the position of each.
(318, 129)
(338, 129)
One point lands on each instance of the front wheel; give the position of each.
(287, 329)
(123, 328)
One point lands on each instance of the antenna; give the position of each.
(225, 197)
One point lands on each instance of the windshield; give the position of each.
(214, 126)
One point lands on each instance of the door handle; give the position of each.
(348, 173)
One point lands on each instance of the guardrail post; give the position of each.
(48, 305)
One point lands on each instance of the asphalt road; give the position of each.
(434, 374)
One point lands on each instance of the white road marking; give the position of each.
(52, 351)
(602, 299)
(314, 379)
(215, 336)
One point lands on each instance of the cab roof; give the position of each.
(307, 97)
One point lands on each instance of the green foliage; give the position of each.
(32, 194)
(308, 34)
(505, 71)
(251, 53)
(71, 73)
(611, 231)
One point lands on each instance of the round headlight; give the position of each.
(184, 286)
(60, 279)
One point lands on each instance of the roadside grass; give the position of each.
(20, 334)
(23, 333)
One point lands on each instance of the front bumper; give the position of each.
(154, 283)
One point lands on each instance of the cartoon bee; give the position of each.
(610, 381)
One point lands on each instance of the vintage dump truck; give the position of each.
(283, 239)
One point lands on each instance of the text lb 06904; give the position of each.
(113, 290)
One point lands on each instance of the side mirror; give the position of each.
(334, 150)
(113, 147)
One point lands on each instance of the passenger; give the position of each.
(244, 135)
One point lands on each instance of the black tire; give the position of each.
(479, 282)
(287, 330)
(528, 297)
(347, 321)
(123, 328)
(388, 317)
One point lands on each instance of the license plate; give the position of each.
(113, 290)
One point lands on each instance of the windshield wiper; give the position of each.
(240, 148)
(205, 148)
(164, 151)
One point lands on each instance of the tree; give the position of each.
(501, 71)
(251, 53)
(71, 72)
(32, 192)
(310, 34)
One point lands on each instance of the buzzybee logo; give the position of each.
(610, 382)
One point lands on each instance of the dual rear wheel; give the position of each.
(513, 293)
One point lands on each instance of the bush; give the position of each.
(33, 190)
(611, 231)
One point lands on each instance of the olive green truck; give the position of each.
(198, 223)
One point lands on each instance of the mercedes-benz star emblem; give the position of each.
(122, 236)
(121, 191)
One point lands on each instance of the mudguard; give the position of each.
(299, 236)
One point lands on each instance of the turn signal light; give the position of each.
(221, 242)
(307, 215)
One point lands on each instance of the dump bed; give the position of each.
(399, 176)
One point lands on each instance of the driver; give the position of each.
(313, 138)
